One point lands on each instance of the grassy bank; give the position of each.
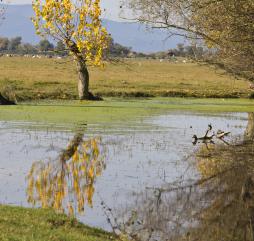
(56, 79)
(40, 225)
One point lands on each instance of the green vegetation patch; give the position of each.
(21, 224)
(116, 110)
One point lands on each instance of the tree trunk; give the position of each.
(83, 82)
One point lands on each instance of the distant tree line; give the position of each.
(45, 47)
(117, 50)
(16, 46)
(186, 51)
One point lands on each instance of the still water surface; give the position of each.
(137, 155)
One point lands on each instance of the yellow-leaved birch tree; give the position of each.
(78, 25)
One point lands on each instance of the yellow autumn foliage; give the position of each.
(75, 23)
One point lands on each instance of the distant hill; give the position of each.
(134, 35)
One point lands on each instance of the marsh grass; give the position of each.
(116, 110)
(56, 79)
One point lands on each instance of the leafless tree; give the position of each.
(226, 26)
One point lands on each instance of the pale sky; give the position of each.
(112, 7)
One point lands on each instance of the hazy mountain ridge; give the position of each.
(135, 35)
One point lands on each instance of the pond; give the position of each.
(96, 171)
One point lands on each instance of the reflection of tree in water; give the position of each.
(218, 206)
(69, 180)
(249, 134)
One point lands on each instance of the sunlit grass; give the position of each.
(39, 225)
(56, 79)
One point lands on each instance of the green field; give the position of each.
(46, 78)
(21, 224)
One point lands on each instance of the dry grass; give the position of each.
(56, 79)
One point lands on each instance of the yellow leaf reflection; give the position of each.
(68, 182)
